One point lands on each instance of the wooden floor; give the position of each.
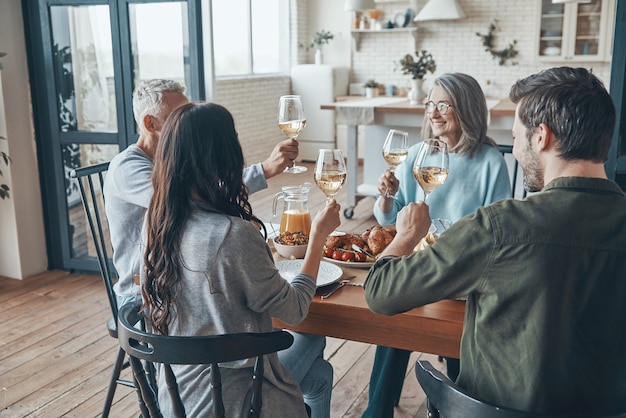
(56, 355)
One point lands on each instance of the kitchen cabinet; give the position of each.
(575, 31)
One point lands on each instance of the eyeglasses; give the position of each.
(442, 107)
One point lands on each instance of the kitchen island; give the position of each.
(376, 116)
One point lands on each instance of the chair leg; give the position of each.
(117, 369)
(398, 395)
(432, 411)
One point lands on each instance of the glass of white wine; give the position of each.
(431, 165)
(330, 171)
(291, 120)
(395, 149)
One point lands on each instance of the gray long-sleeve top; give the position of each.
(230, 284)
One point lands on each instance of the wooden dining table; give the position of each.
(435, 328)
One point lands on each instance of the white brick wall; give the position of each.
(254, 105)
(456, 47)
(253, 101)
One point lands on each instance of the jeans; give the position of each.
(124, 299)
(387, 379)
(305, 360)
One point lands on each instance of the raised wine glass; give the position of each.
(431, 165)
(330, 171)
(291, 120)
(395, 150)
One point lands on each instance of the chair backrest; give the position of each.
(507, 153)
(446, 398)
(211, 349)
(91, 185)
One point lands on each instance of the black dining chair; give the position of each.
(90, 181)
(210, 349)
(507, 153)
(445, 398)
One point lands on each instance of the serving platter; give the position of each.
(350, 264)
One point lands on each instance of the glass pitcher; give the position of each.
(295, 215)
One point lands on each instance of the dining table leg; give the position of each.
(352, 169)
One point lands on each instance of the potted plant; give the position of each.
(370, 87)
(321, 38)
(4, 157)
(417, 67)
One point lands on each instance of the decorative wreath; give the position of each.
(501, 55)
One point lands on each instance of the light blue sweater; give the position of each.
(471, 183)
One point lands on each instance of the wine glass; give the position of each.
(431, 165)
(330, 171)
(291, 120)
(395, 150)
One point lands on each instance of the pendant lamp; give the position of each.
(440, 10)
(359, 5)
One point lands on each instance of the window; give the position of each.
(250, 37)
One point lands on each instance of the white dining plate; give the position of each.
(327, 274)
(351, 264)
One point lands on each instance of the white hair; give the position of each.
(148, 98)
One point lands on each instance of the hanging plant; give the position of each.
(502, 55)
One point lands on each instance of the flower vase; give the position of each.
(370, 92)
(319, 58)
(415, 94)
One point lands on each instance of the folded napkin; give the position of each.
(361, 112)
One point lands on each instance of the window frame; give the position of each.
(284, 48)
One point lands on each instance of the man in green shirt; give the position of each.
(545, 322)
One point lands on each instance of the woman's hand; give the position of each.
(388, 184)
(327, 220)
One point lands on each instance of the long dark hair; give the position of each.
(198, 153)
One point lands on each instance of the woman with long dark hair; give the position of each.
(208, 270)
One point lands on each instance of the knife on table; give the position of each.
(336, 286)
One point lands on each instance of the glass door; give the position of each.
(86, 60)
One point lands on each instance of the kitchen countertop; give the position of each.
(504, 107)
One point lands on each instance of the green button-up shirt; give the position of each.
(545, 322)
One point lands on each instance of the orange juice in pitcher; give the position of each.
(295, 215)
(296, 221)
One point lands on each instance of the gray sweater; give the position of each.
(230, 284)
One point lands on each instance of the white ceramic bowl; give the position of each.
(552, 50)
(289, 251)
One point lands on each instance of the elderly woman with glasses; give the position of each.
(456, 112)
